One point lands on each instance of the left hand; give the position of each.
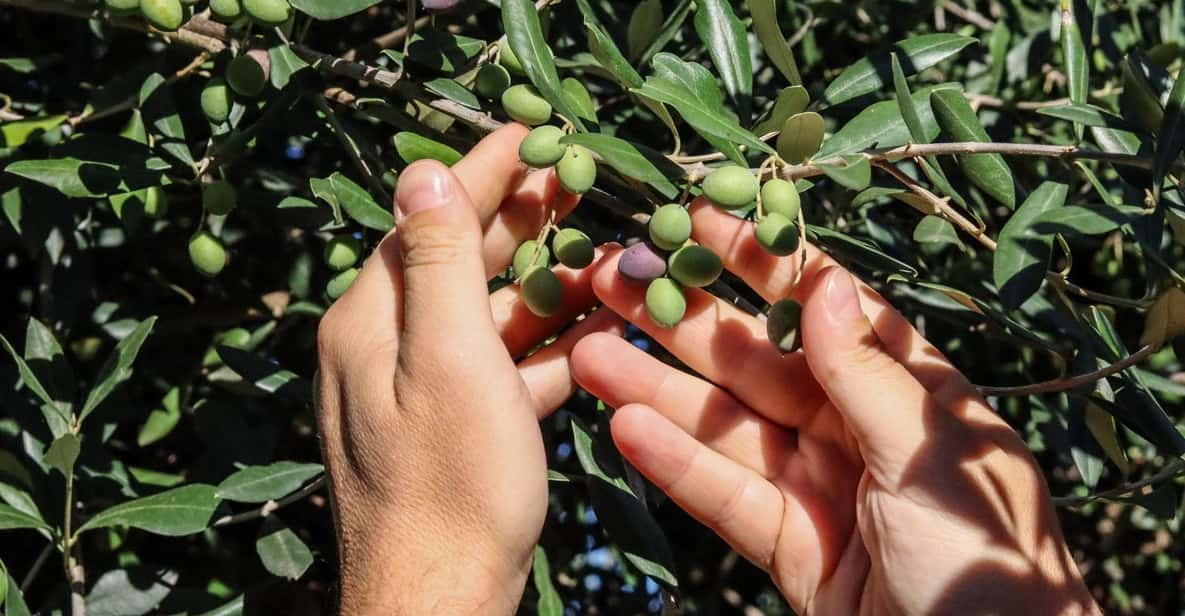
(429, 428)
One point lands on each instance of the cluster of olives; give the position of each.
(341, 255)
(542, 291)
(169, 15)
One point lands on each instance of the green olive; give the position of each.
(541, 147)
(268, 12)
(226, 10)
(246, 76)
(342, 252)
(167, 15)
(510, 61)
(780, 197)
(491, 81)
(573, 248)
(542, 291)
(782, 325)
(216, 100)
(665, 302)
(730, 187)
(670, 227)
(123, 7)
(523, 263)
(524, 104)
(207, 254)
(577, 170)
(340, 283)
(695, 266)
(156, 202)
(219, 198)
(777, 234)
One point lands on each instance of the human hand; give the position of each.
(864, 473)
(429, 429)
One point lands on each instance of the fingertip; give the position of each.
(588, 353)
(832, 307)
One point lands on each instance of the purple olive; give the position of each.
(439, 5)
(641, 263)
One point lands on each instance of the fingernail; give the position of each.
(422, 187)
(843, 303)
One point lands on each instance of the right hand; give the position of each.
(865, 473)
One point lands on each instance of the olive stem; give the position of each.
(1169, 472)
(941, 206)
(272, 505)
(132, 100)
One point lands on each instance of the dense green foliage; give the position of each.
(179, 208)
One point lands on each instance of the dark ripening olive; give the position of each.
(342, 252)
(695, 266)
(247, 74)
(541, 147)
(439, 5)
(219, 198)
(665, 302)
(268, 12)
(340, 283)
(207, 254)
(670, 226)
(730, 187)
(782, 325)
(641, 263)
(780, 197)
(524, 104)
(542, 291)
(525, 258)
(573, 248)
(167, 15)
(491, 81)
(777, 234)
(216, 100)
(577, 170)
(226, 10)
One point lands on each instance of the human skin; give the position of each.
(864, 473)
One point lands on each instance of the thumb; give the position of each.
(440, 239)
(883, 404)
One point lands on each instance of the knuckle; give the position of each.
(435, 245)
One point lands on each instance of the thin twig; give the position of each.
(271, 506)
(132, 100)
(1070, 382)
(339, 130)
(941, 206)
(970, 16)
(42, 558)
(1169, 472)
(1060, 281)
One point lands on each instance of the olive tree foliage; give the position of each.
(187, 186)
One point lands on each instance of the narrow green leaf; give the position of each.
(15, 134)
(14, 602)
(1087, 115)
(259, 484)
(453, 91)
(525, 36)
(1074, 55)
(671, 27)
(854, 173)
(70, 176)
(1172, 133)
(264, 377)
(177, 512)
(958, 122)
(724, 35)
(281, 551)
(161, 421)
(358, 204)
(801, 136)
(580, 99)
(285, 64)
(549, 603)
(11, 518)
(1081, 220)
(124, 592)
(936, 230)
(632, 160)
(1022, 257)
(1138, 101)
(328, 10)
(644, 23)
(765, 24)
(790, 101)
(412, 147)
(63, 452)
(160, 115)
(30, 380)
(693, 92)
(919, 132)
(917, 53)
(881, 125)
(858, 252)
(118, 367)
